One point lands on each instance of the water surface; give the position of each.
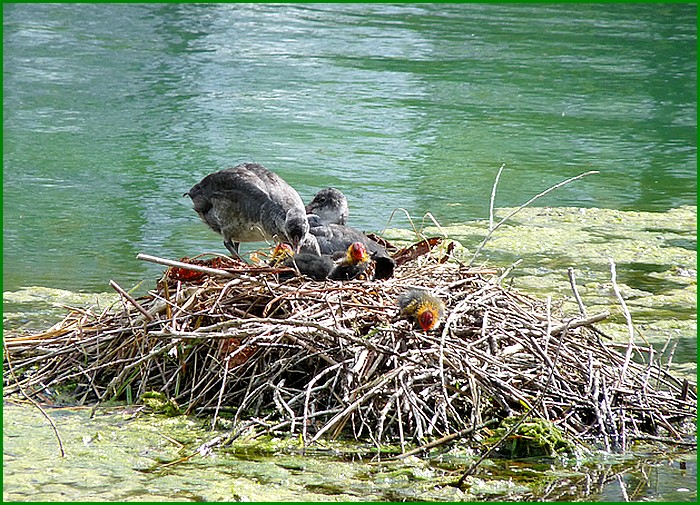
(111, 112)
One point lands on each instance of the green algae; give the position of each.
(123, 455)
(35, 308)
(531, 438)
(159, 403)
(654, 254)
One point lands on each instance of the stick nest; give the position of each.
(336, 358)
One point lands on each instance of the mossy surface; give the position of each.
(654, 254)
(122, 455)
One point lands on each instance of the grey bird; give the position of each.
(327, 225)
(249, 203)
(330, 205)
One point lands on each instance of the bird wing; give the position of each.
(334, 237)
(276, 188)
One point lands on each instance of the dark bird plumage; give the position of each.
(422, 307)
(312, 265)
(249, 203)
(354, 263)
(351, 266)
(333, 238)
(327, 214)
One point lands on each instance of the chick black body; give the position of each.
(333, 238)
(312, 265)
(354, 263)
(327, 214)
(249, 203)
(321, 267)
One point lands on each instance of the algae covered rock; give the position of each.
(531, 438)
(160, 403)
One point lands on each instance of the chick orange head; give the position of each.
(428, 316)
(357, 253)
(281, 252)
(425, 308)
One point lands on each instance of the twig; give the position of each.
(664, 440)
(131, 299)
(493, 195)
(521, 207)
(33, 402)
(628, 318)
(576, 323)
(221, 393)
(671, 354)
(155, 352)
(623, 487)
(186, 266)
(526, 415)
(446, 439)
(574, 288)
(322, 354)
(379, 383)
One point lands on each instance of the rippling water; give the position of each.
(111, 112)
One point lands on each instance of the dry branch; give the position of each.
(331, 358)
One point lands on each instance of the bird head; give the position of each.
(426, 309)
(280, 253)
(428, 316)
(330, 205)
(296, 227)
(357, 253)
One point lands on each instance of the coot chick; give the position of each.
(330, 205)
(249, 203)
(332, 238)
(423, 307)
(317, 267)
(354, 263)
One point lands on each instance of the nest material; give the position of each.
(331, 358)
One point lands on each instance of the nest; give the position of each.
(325, 359)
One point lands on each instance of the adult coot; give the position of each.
(249, 203)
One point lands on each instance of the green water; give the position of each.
(112, 112)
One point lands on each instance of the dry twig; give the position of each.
(331, 358)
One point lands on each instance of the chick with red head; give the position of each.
(354, 263)
(321, 267)
(421, 306)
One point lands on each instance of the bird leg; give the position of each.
(233, 248)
